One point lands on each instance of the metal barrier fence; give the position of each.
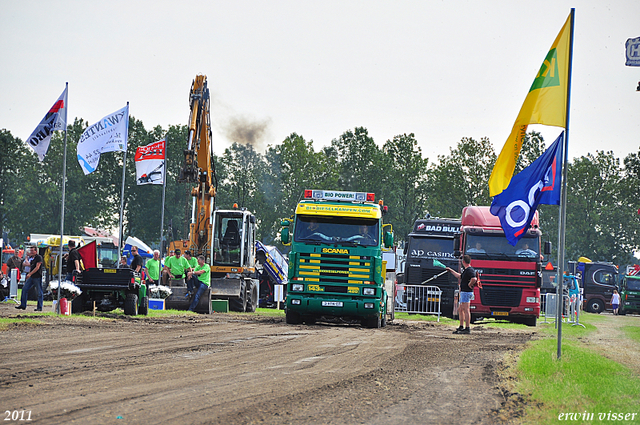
(570, 308)
(419, 299)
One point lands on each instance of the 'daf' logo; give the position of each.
(548, 75)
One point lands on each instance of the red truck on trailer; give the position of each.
(511, 276)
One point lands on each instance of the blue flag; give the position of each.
(539, 183)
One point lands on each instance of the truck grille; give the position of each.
(332, 271)
(503, 297)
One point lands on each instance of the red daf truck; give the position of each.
(511, 276)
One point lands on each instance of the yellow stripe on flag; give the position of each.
(546, 103)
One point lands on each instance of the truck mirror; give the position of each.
(284, 235)
(285, 223)
(547, 248)
(388, 239)
(252, 219)
(456, 245)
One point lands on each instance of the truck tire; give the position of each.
(530, 321)
(239, 303)
(131, 304)
(292, 318)
(595, 306)
(310, 320)
(144, 306)
(252, 297)
(77, 305)
(373, 322)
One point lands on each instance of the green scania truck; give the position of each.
(335, 263)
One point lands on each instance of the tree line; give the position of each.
(602, 210)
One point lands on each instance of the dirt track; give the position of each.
(237, 369)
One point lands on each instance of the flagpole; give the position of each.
(563, 201)
(164, 187)
(124, 166)
(64, 180)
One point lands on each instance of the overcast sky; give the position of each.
(442, 70)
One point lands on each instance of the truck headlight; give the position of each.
(297, 287)
(295, 302)
(532, 300)
(369, 291)
(528, 309)
(368, 305)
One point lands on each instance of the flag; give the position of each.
(150, 163)
(632, 48)
(539, 183)
(546, 103)
(56, 119)
(107, 135)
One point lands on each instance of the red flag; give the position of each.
(89, 254)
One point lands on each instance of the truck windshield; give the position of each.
(430, 248)
(633, 284)
(481, 246)
(338, 230)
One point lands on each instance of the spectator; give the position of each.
(152, 269)
(175, 267)
(123, 263)
(15, 262)
(34, 278)
(198, 280)
(137, 263)
(615, 301)
(193, 262)
(467, 280)
(73, 261)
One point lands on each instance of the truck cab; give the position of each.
(598, 280)
(432, 239)
(630, 294)
(336, 269)
(510, 275)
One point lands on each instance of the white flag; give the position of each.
(107, 135)
(150, 163)
(56, 119)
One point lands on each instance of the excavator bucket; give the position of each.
(179, 301)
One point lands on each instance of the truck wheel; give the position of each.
(373, 322)
(239, 303)
(530, 321)
(144, 306)
(310, 320)
(292, 318)
(252, 297)
(131, 304)
(595, 306)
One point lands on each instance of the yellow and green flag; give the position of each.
(546, 103)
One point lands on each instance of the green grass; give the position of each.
(632, 332)
(5, 322)
(581, 381)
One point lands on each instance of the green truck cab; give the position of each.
(630, 294)
(335, 263)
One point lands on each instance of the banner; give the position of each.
(632, 47)
(107, 135)
(546, 103)
(539, 183)
(150, 163)
(56, 119)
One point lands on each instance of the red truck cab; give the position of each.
(510, 275)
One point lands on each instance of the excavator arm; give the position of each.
(198, 168)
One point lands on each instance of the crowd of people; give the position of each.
(194, 271)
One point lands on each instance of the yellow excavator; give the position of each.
(226, 238)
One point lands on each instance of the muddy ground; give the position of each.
(248, 369)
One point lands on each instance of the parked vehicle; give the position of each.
(510, 275)
(630, 292)
(597, 280)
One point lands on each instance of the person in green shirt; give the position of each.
(152, 269)
(198, 280)
(175, 267)
(193, 261)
